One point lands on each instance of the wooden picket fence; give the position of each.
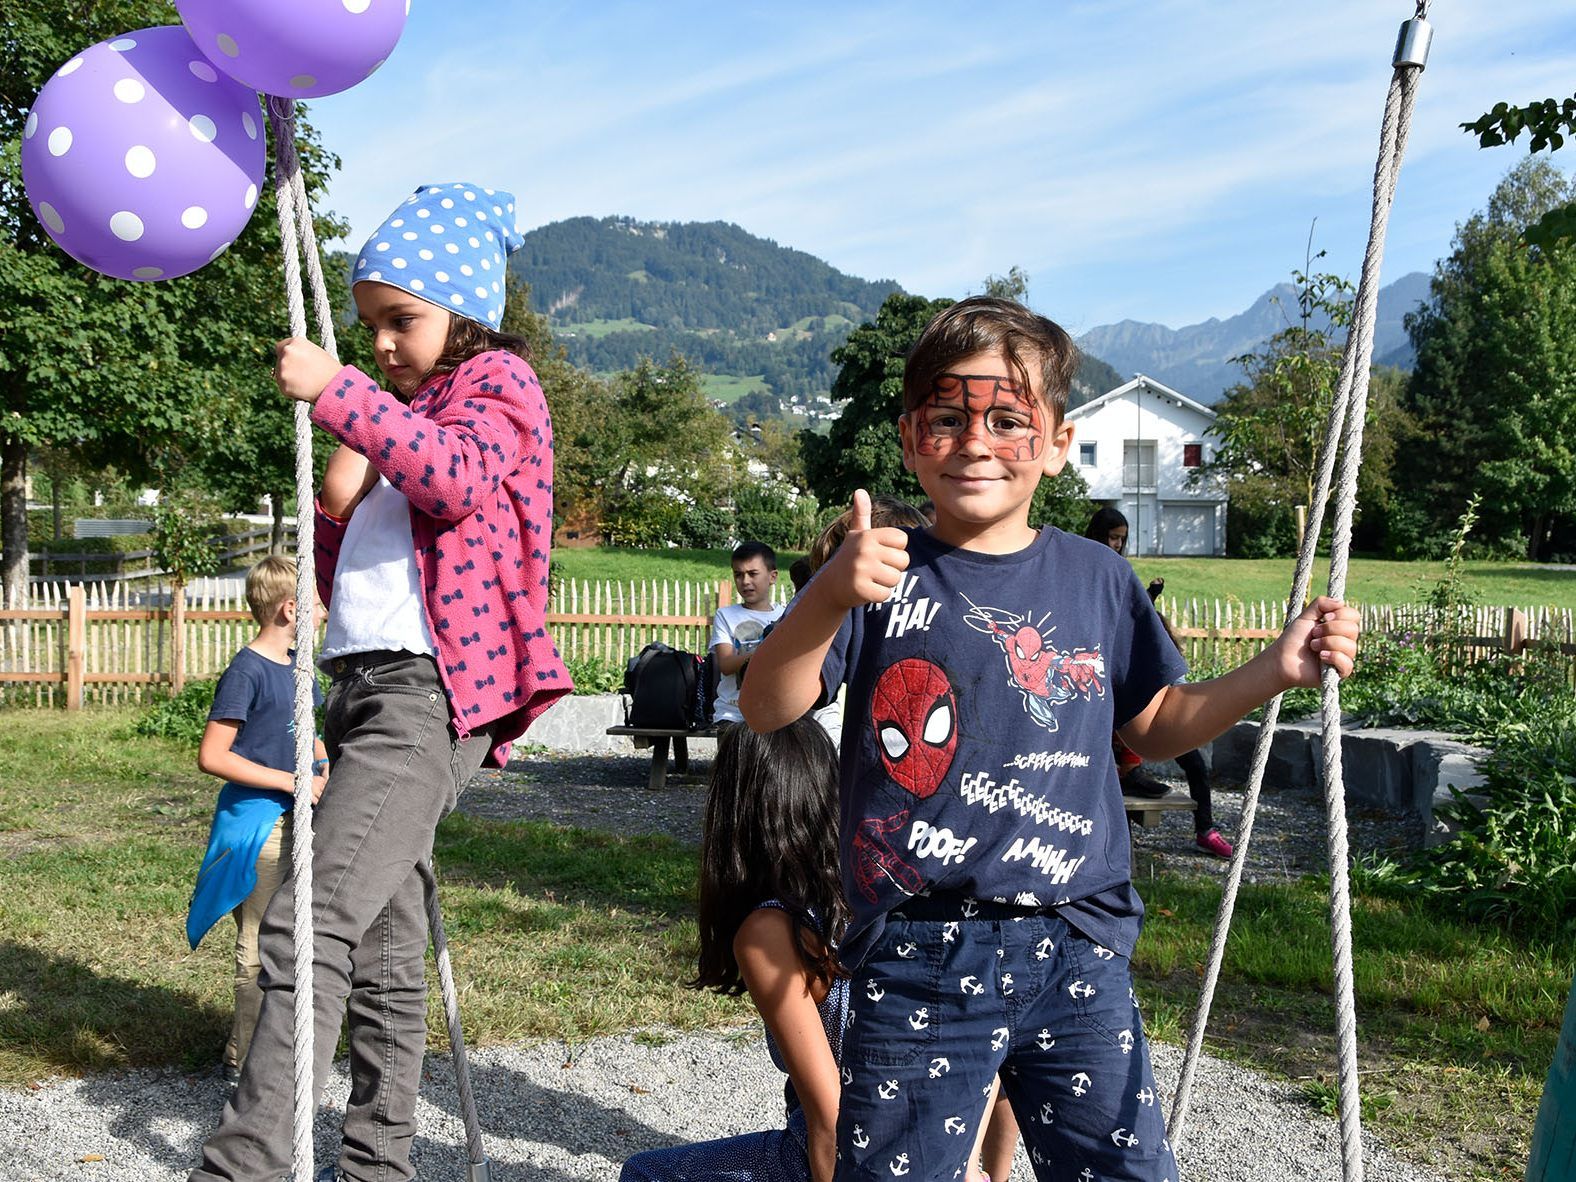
(105, 643)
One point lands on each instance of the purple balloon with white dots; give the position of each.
(140, 159)
(296, 48)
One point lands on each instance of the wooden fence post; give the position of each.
(177, 638)
(1515, 630)
(76, 641)
(724, 592)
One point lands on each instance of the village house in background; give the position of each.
(1139, 447)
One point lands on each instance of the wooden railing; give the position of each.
(105, 643)
(234, 550)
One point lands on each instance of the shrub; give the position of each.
(645, 520)
(595, 675)
(770, 513)
(705, 527)
(181, 717)
(1514, 857)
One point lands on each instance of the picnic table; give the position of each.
(659, 739)
(1146, 811)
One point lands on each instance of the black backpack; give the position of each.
(660, 682)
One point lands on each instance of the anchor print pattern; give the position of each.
(988, 989)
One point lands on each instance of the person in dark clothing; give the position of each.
(1110, 527)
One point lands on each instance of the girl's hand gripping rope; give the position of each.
(302, 369)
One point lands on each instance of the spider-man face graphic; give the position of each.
(915, 715)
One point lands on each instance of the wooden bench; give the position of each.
(1147, 811)
(659, 741)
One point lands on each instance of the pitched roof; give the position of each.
(1149, 383)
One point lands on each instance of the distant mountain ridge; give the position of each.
(1196, 359)
(684, 275)
(760, 318)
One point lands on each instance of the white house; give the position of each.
(1138, 446)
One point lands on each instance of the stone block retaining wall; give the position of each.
(1390, 768)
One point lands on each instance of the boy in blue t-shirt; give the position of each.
(250, 743)
(984, 845)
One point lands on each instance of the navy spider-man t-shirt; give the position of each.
(976, 752)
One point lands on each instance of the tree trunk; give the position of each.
(13, 521)
(276, 536)
(1536, 534)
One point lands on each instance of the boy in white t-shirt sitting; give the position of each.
(737, 628)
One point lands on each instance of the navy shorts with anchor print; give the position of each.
(957, 990)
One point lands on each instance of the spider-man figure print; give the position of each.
(914, 713)
(1044, 674)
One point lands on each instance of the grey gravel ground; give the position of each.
(551, 1113)
(554, 1113)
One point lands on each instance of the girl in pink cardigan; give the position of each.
(433, 528)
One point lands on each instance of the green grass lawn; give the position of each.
(563, 933)
(728, 388)
(1370, 581)
(555, 933)
(596, 329)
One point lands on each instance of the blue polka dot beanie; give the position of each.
(446, 244)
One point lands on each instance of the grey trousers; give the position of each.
(395, 770)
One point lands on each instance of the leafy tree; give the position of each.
(581, 406)
(664, 447)
(1492, 395)
(768, 511)
(1548, 121)
(862, 450)
(1014, 285)
(141, 373)
(1062, 501)
(1271, 426)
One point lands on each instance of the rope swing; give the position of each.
(1344, 436)
(298, 238)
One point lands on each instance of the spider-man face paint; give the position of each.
(915, 715)
(1013, 421)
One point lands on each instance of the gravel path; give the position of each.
(550, 1114)
(555, 1113)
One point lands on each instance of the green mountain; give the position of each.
(740, 307)
(761, 320)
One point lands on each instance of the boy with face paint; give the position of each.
(983, 845)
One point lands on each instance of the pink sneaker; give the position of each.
(1213, 843)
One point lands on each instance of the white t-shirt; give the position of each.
(377, 597)
(741, 627)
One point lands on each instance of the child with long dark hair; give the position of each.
(771, 911)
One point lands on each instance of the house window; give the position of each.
(1192, 455)
(1086, 455)
(1138, 464)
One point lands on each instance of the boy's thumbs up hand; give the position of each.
(870, 562)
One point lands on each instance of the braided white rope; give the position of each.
(281, 116)
(1344, 432)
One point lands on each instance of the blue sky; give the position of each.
(1158, 160)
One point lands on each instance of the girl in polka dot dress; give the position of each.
(433, 526)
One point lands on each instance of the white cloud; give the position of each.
(1161, 160)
